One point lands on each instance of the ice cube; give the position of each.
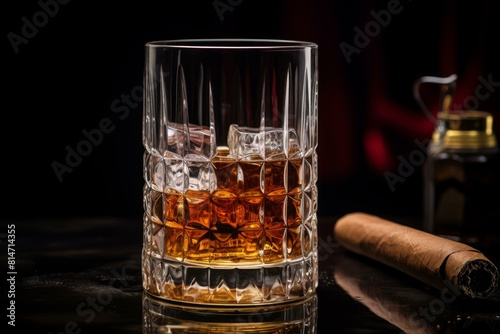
(176, 173)
(176, 138)
(201, 175)
(245, 142)
(251, 143)
(201, 141)
(190, 139)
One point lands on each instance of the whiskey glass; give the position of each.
(230, 170)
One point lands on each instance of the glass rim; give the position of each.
(232, 43)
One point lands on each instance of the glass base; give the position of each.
(219, 285)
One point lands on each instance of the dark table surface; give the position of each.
(84, 276)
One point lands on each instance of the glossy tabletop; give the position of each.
(84, 276)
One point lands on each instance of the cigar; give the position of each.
(436, 261)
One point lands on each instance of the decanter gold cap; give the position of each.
(464, 129)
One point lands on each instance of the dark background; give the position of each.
(65, 78)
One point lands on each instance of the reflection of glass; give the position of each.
(161, 316)
(230, 169)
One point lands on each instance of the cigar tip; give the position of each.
(479, 279)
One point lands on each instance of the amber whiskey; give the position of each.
(252, 214)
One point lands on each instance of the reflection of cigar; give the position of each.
(434, 260)
(369, 285)
(410, 308)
